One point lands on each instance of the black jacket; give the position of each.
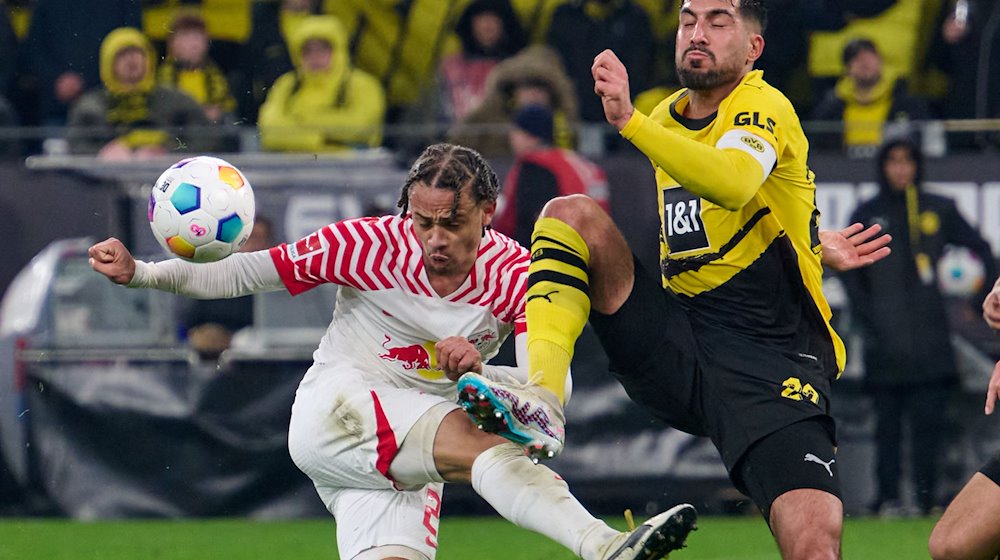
(902, 320)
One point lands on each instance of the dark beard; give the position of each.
(703, 80)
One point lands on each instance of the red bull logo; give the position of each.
(482, 339)
(413, 356)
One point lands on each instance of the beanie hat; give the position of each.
(536, 120)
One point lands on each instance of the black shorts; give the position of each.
(992, 469)
(704, 380)
(801, 455)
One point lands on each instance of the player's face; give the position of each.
(715, 45)
(450, 236)
(900, 168)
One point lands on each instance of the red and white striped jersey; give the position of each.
(387, 318)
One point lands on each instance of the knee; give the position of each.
(822, 543)
(942, 546)
(808, 525)
(577, 210)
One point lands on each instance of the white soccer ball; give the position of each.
(201, 209)
(960, 273)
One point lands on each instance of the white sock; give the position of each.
(536, 498)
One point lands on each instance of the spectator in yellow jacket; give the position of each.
(325, 104)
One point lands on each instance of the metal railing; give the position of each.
(937, 136)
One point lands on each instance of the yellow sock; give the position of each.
(558, 303)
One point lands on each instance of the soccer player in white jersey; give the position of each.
(424, 297)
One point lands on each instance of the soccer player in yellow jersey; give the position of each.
(732, 339)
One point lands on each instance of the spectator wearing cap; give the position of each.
(865, 100)
(542, 172)
(189, 68)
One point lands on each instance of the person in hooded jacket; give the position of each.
(867, 99)
(910, 366)
(131, 117)
(325, 104)
(533, 76)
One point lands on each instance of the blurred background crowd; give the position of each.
(132, 78)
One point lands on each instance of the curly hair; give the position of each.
(452, 167)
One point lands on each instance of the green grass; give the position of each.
(718, 538)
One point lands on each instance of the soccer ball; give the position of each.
(960, 273)
(201, 209)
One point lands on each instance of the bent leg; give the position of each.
(970, 527)
(529, 495)
(610, 263)
(807, 524)
(579, 260)
(793, 477)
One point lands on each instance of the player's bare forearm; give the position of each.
(854, 246)
(112, 259)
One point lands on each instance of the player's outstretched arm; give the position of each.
(112, 259)
(854, 246)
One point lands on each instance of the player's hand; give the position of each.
(456, 355)
(611, 83)
(854, 246)
(991, 307)
(993, 389)
(112, 259)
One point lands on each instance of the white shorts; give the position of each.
(374, 518)
(344, 434)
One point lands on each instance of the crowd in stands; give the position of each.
(330, 75)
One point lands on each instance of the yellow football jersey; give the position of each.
(752, 268)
